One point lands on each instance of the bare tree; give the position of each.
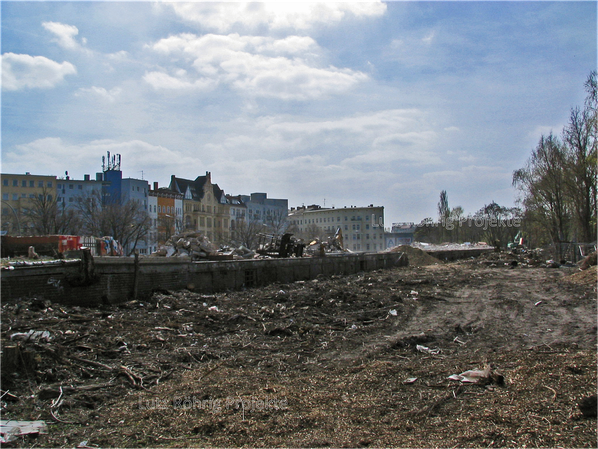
(455, 218)
(443, 213)
(125, 221)
(168, 226)
(46, 216)
(581, 170)
(246, 232)
(542, 183)
(277, 221)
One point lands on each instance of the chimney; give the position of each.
(156, 185)
(99, 176)
(209, 177)
(86, 177)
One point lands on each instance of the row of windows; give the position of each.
(15, 196)
(368, 247)
(71, 187)
(167, 210)
(338, 219)
(25, 183)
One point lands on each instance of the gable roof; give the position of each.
(195, 189)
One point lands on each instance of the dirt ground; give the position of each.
(347, 361)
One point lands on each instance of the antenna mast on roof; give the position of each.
(111, 164)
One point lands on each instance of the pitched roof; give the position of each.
(195, 187)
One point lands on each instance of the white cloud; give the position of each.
(296, 15)
(371, 139)
(25, 71)
(64, 34)
(161, 80)
(256, 66)
(100, 92)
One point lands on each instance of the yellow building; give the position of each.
(18, 192)
(205, 207)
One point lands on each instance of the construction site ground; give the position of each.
(347, 361)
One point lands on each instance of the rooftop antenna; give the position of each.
(141, 174)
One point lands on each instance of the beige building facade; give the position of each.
(18, 193)
(205, 207)
(362, 227)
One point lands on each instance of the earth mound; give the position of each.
(416, 256)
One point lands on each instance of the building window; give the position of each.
(31, 183)
(40, 183)
(15, 183)
(5, 182)
(71, 186)
(5, 196)
(15, 197)
(23, 183)
(49, 184)
(79, 186)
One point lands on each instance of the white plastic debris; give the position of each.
(10, 430)
(31, 336)
(392, 312)
(472, 376)
(427, 350)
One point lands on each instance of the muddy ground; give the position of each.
(347, 361)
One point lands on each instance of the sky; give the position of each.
(336, 104)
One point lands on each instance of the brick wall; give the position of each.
(117, 278)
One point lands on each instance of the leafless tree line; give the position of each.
(495, 224)
(558, 183)
(127, 221)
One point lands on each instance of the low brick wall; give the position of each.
(119, 279)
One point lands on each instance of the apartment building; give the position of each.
(19, 191)
(362, 227)
(268, 211)
(205, 208)
(238, 211)
(70, 191)
(166, 214)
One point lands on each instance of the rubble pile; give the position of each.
(333, 244)
(191, 244)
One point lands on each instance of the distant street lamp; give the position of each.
(16, 216)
